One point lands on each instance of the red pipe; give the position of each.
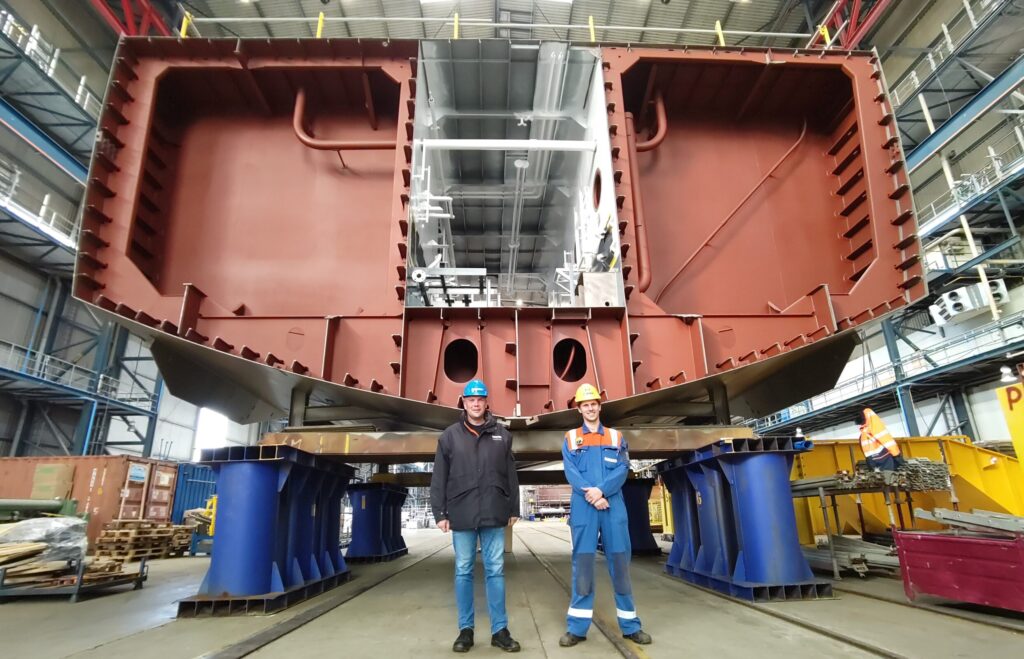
(659, 135)
(330, 145)
(643, 252)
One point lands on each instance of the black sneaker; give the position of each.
(465, 640)
(505, 641)
(569, 639)
(639, 637)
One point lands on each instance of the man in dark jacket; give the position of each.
(474, 493)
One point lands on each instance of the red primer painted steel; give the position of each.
(810, 243)
(775, 210)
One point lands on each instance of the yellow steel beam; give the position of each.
(982, 479)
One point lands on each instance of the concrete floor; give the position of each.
(411, 612)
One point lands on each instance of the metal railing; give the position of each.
(19, 195)
(975, 342)
(33, 363)
(449, 26)
(951, 255)
(1004, 162)
(954, 34)
(47, 57)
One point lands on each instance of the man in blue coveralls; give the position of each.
(596, 464)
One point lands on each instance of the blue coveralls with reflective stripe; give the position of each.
(598, 460)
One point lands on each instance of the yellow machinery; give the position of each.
(656, 509)
(981, 479)
(663, 505)
(211, 510)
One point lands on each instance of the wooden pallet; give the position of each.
(118, 524)
(130, 546)
(134, 538)
(55, 574)
(132, 554)
(137, 533)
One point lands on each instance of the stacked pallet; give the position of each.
(26, 567)
(181, 540)
(132, 539)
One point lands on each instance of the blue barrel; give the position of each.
(242, 560)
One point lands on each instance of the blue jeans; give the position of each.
(492, 547)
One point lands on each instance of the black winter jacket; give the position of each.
(474, 484)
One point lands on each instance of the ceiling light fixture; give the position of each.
(1007, 375)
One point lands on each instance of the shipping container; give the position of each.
(106, 487)
(196, 484)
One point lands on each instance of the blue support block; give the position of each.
(243, 563)
(718, 544)
(278, 530)
(735, 527)
(376, 522)
(686, 542)
(636, 493)
(765, 519)
(396, 543)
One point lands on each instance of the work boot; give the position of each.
(640, 637)
(505, 641)
(465, 640)
(569, 639)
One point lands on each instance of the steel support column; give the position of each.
(84, 428)
(19, 431)
(147, 443)
(963, 415)
(53, 321)
(903, 396)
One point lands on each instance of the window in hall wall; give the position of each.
(211, 431)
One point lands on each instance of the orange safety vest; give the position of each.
(875, 439)
(578, 438)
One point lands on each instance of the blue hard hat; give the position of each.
(475, 388)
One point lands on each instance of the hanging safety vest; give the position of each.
(875, 439)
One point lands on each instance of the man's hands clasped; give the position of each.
(595, 497)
